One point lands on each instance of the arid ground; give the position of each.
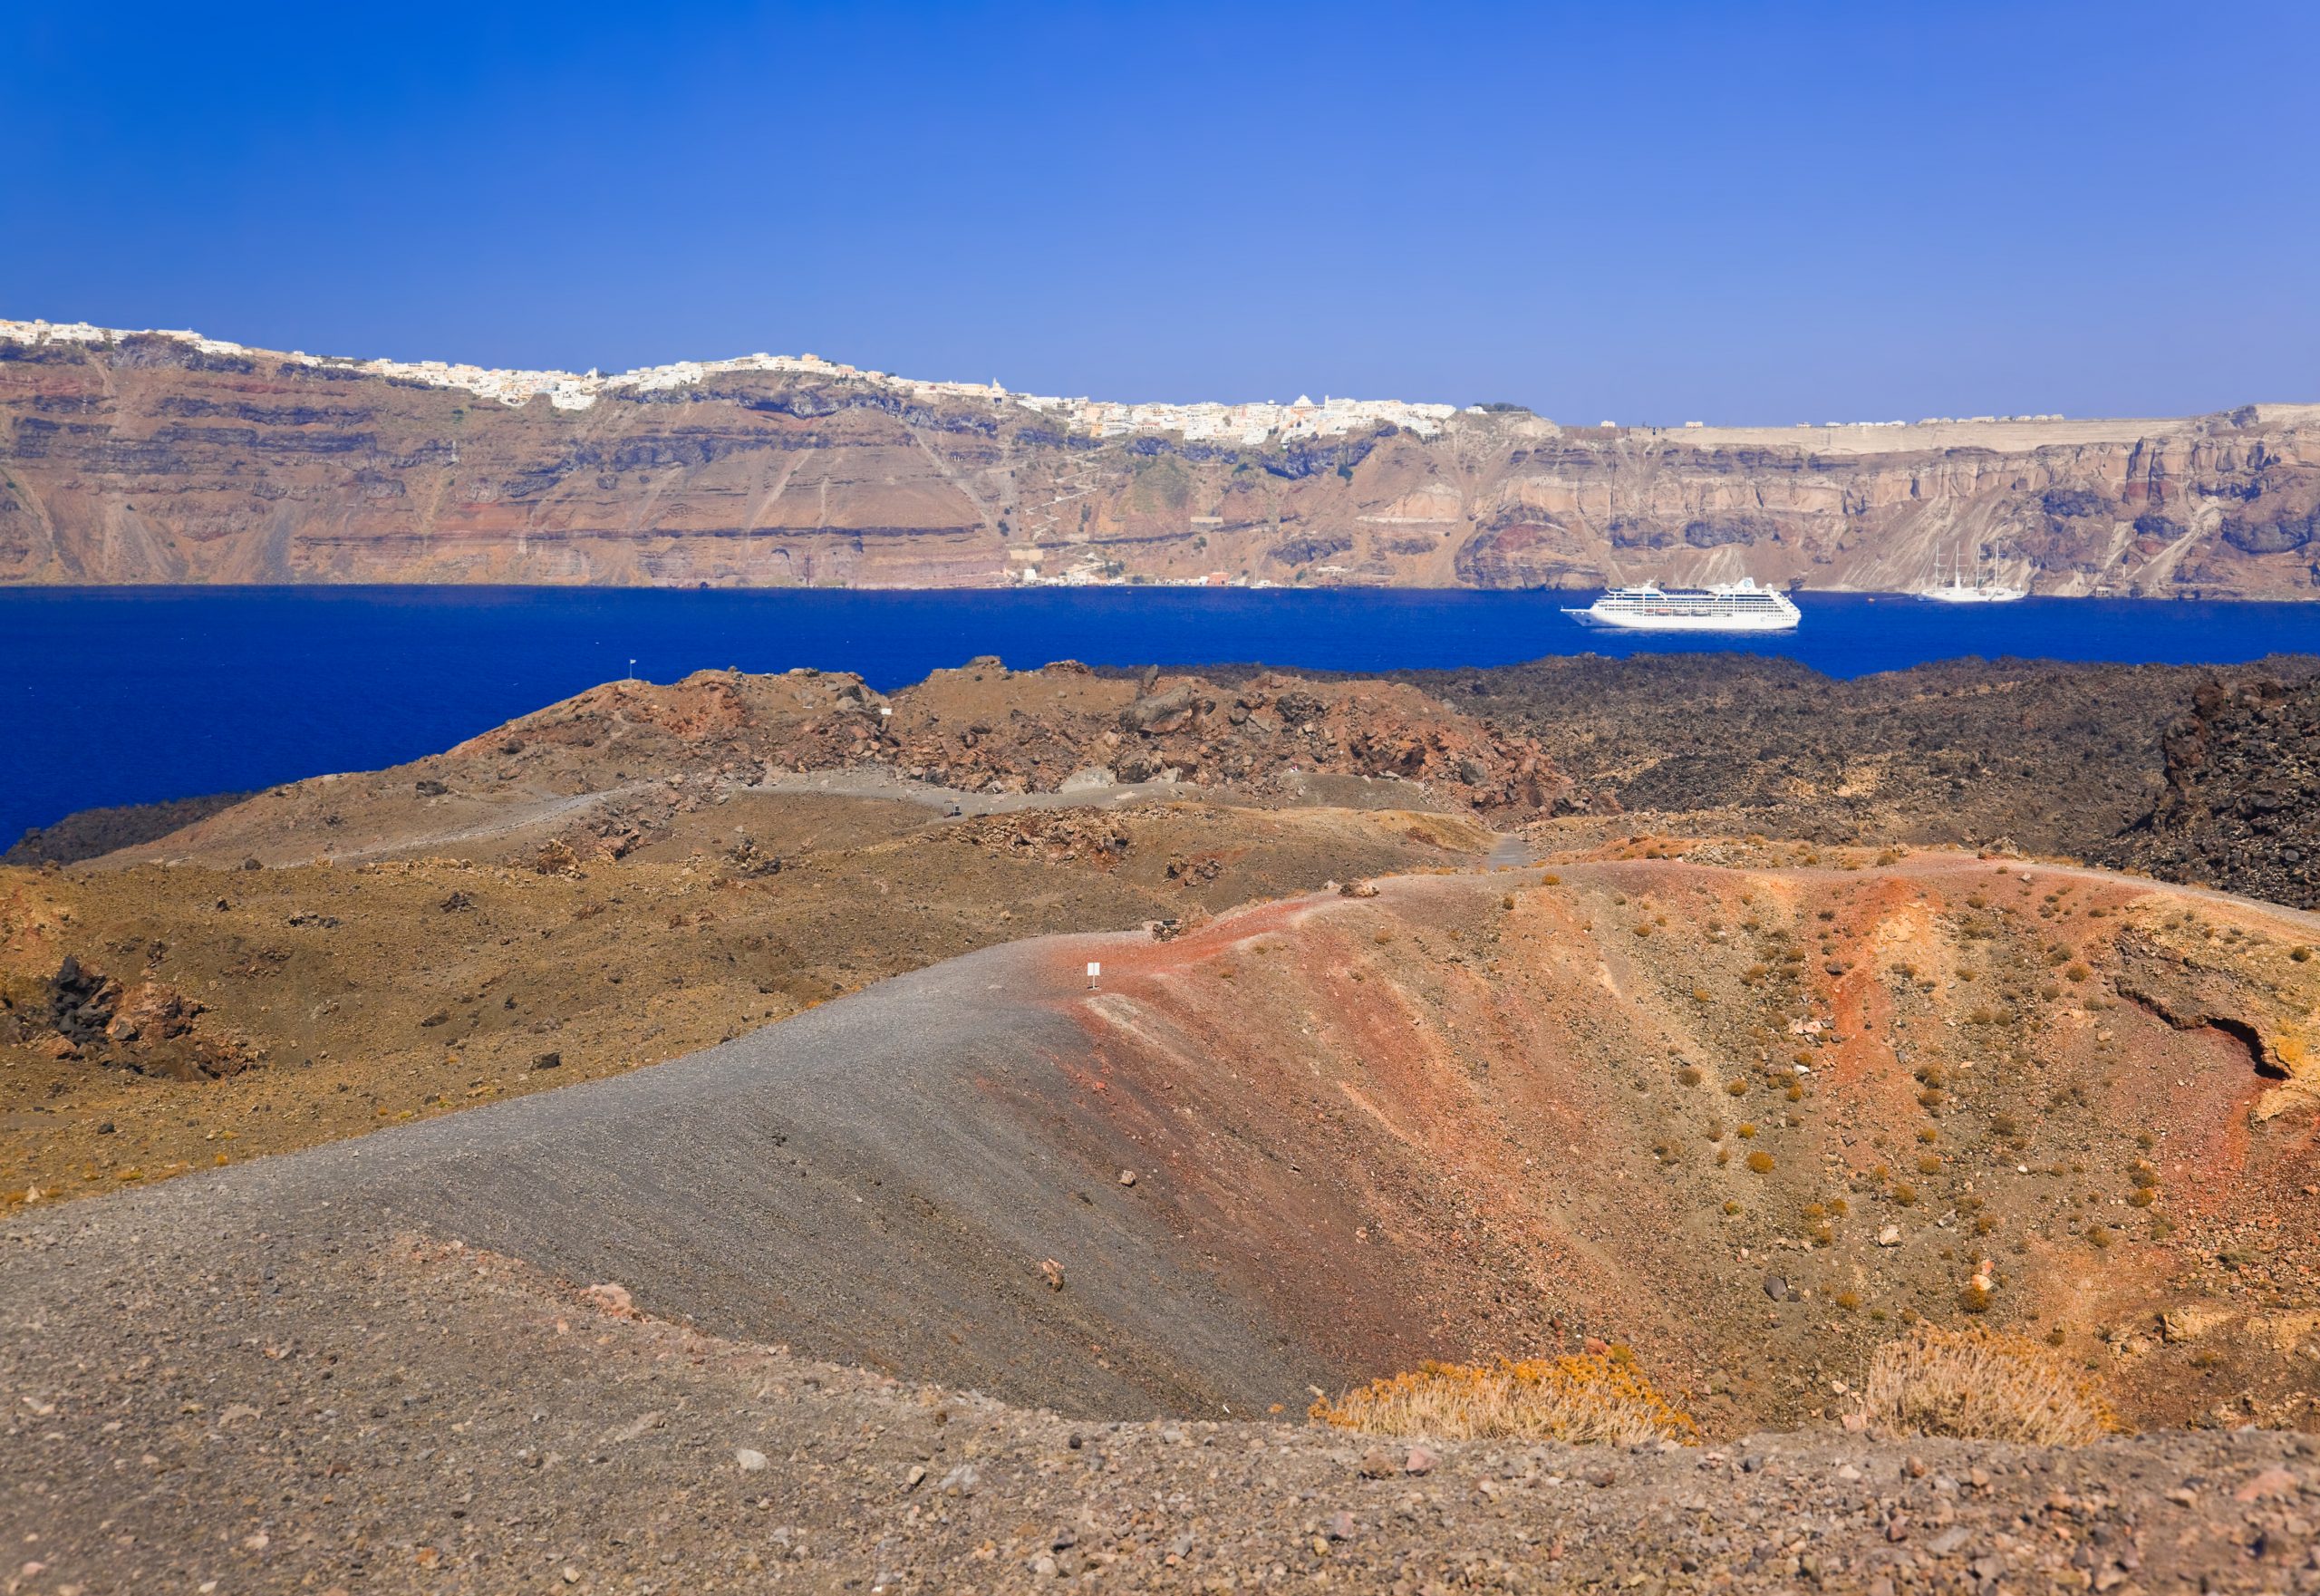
(703, 1160)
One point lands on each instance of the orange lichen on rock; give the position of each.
(1594, 1397)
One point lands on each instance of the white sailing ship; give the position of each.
(1732, 607)
(1981, 591)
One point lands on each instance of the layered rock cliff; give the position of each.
(147, 459)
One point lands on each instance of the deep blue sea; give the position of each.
(126, 695)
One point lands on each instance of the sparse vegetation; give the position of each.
(1594, 1397)
(1982, 1385)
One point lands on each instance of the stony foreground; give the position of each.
(393, 1415)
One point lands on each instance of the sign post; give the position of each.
(1095, 970)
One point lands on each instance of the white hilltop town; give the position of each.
(1248, 424)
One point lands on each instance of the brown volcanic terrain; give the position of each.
(602, 773)
(1488, 1113)
(2201, 775)
(1363, 1129)
(246, 1011)
(148, 459)
(645, 870)
(1749, 1108)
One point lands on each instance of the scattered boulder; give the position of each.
(1162, 712)
(612, 1300)
(81, 1002)
(151, 1029)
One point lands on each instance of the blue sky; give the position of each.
(1647, 213)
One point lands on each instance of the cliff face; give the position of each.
(147, 459)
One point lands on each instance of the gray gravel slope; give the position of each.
(877, 1181)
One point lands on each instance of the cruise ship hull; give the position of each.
(1645, 621)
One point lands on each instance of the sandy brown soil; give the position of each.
(368, 994)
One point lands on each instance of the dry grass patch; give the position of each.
(1594, 1396)
(1982, 1385)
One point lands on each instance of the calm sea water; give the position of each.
(126, 695)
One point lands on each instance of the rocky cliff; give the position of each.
(2241, 808)
(148, 459)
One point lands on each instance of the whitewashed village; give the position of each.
(1255, 424)
(1249, 424)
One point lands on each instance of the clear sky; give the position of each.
(1642, 212)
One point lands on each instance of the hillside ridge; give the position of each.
(167, 456)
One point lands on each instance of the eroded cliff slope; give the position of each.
(151, 458)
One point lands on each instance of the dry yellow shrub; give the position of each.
(1982, 1385)
(1594, 1396)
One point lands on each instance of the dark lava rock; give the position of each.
(81, 1002)
(87, 833)
(2241, 808)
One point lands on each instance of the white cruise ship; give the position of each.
(1734, 606)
